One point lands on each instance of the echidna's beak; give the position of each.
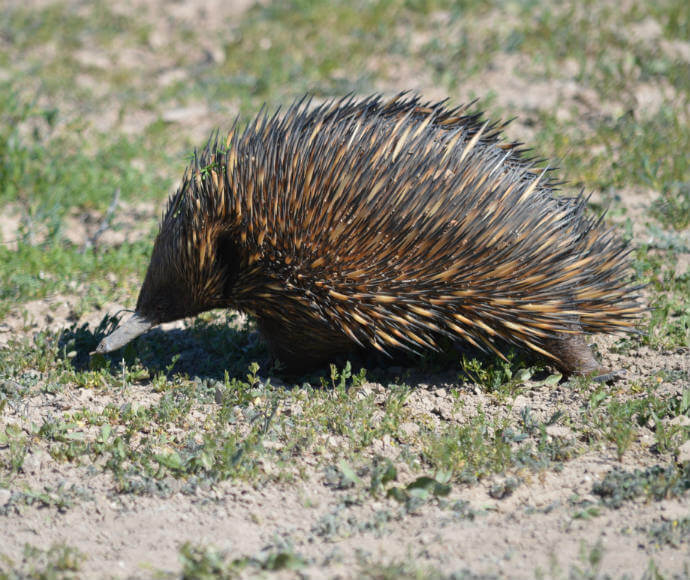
(123, 334)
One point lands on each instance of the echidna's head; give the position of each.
(170, 290)
(192, 266)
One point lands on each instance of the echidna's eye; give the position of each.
(159, 305)
(228, 258)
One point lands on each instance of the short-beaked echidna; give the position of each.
(387, 224)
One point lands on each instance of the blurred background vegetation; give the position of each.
(102, 103)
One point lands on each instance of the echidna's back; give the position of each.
(394, 222)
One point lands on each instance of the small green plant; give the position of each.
(383, 472)
(339, 379)
(497, 375)
(422, 489)
(672, 208)
(620, 428)
(655, 483)
(59, 562)
(408, 569)
(591, 557)
(207, 563)
(675, 532)
(13, 446)
(202, 563)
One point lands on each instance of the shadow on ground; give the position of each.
(214, 350)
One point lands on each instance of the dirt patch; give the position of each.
(125, 224)
(535, 528)
(10, 226)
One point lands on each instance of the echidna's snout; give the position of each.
(124, 333)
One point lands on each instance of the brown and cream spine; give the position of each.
(386, 224)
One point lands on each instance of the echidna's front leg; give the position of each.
(300, 347)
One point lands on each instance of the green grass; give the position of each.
(250, 424)
(46, 177)
(46, 172)
(669, 322)
(27, 28)
(623, 152)
(284, 49)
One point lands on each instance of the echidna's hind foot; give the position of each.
(575, 357)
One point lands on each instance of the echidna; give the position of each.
(384, 224)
